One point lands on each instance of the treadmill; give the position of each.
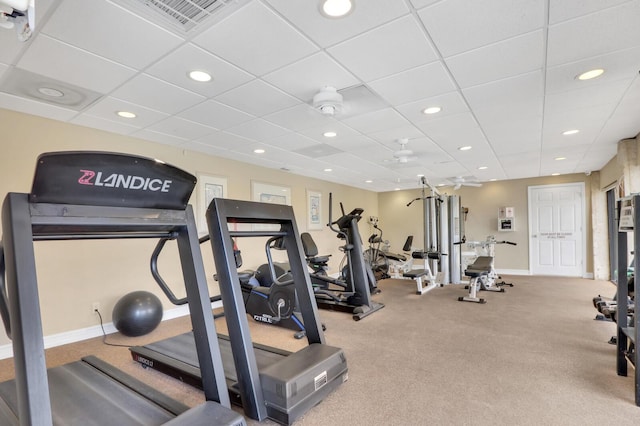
(267, 382)
(99, 195)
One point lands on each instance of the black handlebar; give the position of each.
(161, 282)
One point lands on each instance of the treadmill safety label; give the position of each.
(320, 380)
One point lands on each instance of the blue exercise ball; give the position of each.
(137, 313)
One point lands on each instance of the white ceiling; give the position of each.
(503, 72)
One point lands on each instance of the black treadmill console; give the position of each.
(96, 178)
(345, 221)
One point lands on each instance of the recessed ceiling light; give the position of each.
(483, 168)
(258, 151)
(591, 74)
(560, 158)
(432, 110)
(329, 134)
(126, 114)
(396, 189)
(48, 91)
(336, 8)
(368, 181)
(464, 148)
(420, 175)
(493, 180)
(555, 174)
(200, 76)
(328, 170)
(570, 132)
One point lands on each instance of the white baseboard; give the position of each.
(6, 351)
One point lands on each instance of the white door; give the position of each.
(556, 217)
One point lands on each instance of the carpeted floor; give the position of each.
(531, 356)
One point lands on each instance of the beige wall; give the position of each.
(73, 275)
(398, 220)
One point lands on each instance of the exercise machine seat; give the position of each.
(311, 250)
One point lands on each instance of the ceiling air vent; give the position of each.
(182, 15)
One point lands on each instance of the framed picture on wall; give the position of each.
(269, 193)
(209, 187)
(314, 210)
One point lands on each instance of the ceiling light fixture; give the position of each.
(258, 151)
(483, 168)
(368, 181)
(336, 8)
(432, 110)
(199, 76)
(328, 170)
(48, 91)
(464, 148)
(570, 132)
(588, 75)
(555, 174)
(493, 180)
(329, 134)
(126, 114)
(560, 158)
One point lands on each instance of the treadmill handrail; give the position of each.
(161, 282)
(4, 305)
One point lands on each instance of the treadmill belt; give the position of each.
(183, 348)
(83, 396)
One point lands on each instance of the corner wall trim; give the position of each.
(6, 351)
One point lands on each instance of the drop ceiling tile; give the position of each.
(107, 107)
(290, 141)
(391, 136)
(422, 3)
(368, 14)
(565, 10)
(319, 70)
(257, 129)
(224, 140)
(236, 40)
(318, 151)
(298, 118)
(388, 49)
(181, 128)
(507, 58)
(109, 31)
(588, 96)
(207, 149)
(596, 34)
(515, 136)
(3, 69)
(32, 107)
(619, 65)
(420, 82)
(156, 94)
(162, 138)
(174, 68)
(451, 103)
(377, 121)
(456, 26)
(214, 114)
(451, 132)
(507, 99)
(112, 126)
(257, 98)
(343, 132)
(78, 67)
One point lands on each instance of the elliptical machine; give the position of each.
(272, 301)
(351, 291)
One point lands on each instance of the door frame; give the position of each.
(581, 187)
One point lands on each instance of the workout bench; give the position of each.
(422, 275)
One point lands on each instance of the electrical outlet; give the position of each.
(95, 307)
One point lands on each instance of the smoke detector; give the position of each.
(328, 101)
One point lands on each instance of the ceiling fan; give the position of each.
(348, 101)
(459, 181)
(403, 155)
